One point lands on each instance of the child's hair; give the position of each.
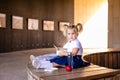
(77, 28)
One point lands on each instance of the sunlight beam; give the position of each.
(95, 30)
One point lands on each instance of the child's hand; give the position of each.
(57, 48)
(62, 54)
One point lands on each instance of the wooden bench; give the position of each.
(92, 72)
(86, 73)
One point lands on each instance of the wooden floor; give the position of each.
(13, 64)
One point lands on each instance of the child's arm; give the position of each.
(75, 51)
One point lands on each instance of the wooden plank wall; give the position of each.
(83, 11)
(114, 24)
(22, 39)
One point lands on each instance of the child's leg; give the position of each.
(59, 61)
(38, 63)
(57, 65)
(46, 64)
(35, 61)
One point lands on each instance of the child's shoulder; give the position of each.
(76, 40)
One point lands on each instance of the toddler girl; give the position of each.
(73, 46)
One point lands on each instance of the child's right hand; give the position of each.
(63, 54)
(57, 48)
(59, 51)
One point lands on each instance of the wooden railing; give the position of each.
(107, 59)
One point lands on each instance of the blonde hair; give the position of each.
(77, 28)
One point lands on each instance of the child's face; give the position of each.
(71, 35)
